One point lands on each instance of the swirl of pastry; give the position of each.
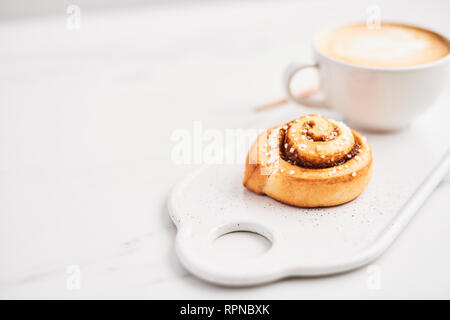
(309, 162)
(315, 142)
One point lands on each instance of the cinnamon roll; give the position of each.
(309, 162)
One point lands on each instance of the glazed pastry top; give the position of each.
(312, 145)
(315, 142)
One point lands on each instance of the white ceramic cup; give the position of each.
(373, 98)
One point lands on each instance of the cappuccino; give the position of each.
(388, 46)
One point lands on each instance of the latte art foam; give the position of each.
(392, 45)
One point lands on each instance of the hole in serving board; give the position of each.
(241, 244)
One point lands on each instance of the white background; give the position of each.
(85, 144)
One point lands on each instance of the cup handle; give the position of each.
(312, 101)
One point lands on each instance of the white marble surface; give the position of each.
(85, 166)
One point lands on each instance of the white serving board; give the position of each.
(308, 242)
